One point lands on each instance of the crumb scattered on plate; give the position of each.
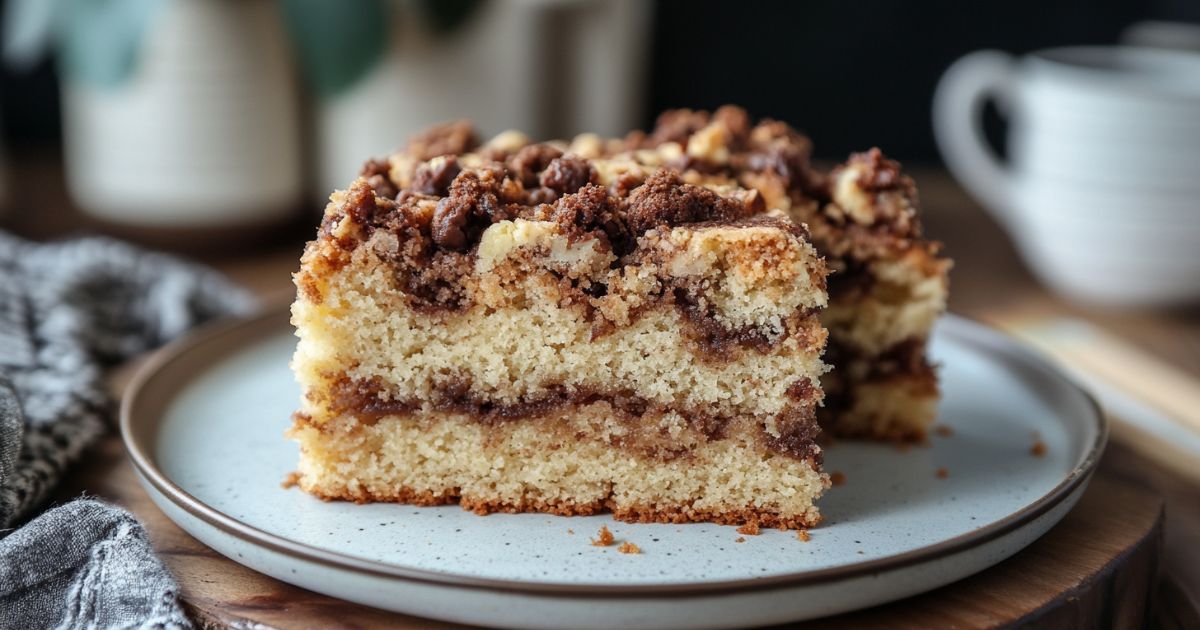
(837, 478)
(942, 473)
(291, 480)
(944, 430)
(749, 529)
(739, 539)
(604, 538)
(570, 532)
(803, 535)
(628, 547)
(1038, 449)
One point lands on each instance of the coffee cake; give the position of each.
(631, 324)
(560, 328)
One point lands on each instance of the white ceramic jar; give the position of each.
(205, 130)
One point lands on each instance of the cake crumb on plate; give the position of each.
(291, 480)
(837, 478)
(749, 529)
(1038, 449)
(604, 538)
(628, 547)
(942, 473)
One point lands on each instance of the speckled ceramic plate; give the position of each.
(204, 425)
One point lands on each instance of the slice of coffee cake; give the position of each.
(539, 327)
(887, 283)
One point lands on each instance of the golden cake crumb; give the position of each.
(803, 535)
(943, 430)
(604, 538)
(739, 539)
(1038, 449)
(628, 547)
(942, 473)
(837, 478)
(570, 532)
(749, 529)
(291, 480)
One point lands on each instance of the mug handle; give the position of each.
(958, 125)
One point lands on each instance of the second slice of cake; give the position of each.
(521, 329)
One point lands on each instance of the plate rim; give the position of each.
(138, 439)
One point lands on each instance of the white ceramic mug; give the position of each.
(1101, 190)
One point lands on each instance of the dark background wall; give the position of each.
(852, 74)
(861, 73)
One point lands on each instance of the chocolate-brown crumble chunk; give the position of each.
(363, 207)
(376, 174)
(527, 163)
(566, 175)
(435, 176)
(593, 212)
(664, 199)
(470, 206)
(445, 139)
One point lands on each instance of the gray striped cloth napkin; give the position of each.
(69, 311)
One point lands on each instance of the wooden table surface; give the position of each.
(988, 282)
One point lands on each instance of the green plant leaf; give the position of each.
(337, 43)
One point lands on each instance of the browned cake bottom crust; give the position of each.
(635, 514)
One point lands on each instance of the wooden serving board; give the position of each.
(1095, 569)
